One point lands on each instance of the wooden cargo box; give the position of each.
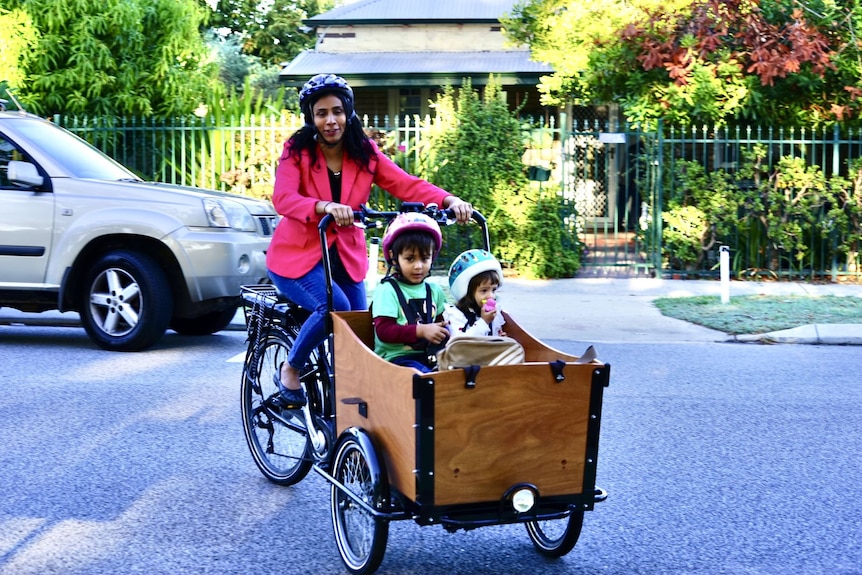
(447, 444)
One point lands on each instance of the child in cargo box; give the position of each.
(407, 309)
(474, 278)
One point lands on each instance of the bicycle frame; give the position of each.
(267, 309)
(366, 216)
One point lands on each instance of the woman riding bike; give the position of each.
(328, 167)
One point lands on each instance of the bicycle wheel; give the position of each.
(556, 537)
(361, 537)
(277, 439)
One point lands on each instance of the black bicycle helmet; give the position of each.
(323, 84)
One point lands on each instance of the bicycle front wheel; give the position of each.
(277, 439)
(361, 537)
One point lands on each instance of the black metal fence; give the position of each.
(627, 193)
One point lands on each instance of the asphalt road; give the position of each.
(718, 458)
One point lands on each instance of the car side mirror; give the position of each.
(24, 173)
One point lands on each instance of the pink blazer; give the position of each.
(299, 185)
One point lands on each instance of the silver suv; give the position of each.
(79, 232)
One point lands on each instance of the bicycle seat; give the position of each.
(282, 302)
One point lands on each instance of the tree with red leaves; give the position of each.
(790, 62)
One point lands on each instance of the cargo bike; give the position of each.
(462, 448)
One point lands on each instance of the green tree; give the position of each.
(17, 37)
(271, 30)
(782, 61)
(242, 72)
(475, 152)
(111, 57)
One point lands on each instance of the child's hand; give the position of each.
(433, 332)
(489, 310)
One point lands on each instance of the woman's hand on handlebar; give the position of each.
(463, 210)
(341, 213)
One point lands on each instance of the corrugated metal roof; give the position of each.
(415, 11)
(411, 64)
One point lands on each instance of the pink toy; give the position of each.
(489, 305)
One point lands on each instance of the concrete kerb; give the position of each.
(815, 334)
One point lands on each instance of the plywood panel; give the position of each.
(517, 425)
(387, 390)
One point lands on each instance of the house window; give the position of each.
(373, 103)
(409, 102)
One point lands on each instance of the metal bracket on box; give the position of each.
(470, 373)
(357, 401)
(557, 370)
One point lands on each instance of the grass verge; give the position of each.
(752, 314)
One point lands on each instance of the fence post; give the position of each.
(836, 156)
(658, 207)
(564, 136)
(724, 265)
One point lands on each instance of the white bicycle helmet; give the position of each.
(323, 84)
(407, 222)
(467, 266)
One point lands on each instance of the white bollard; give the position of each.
(724, 264)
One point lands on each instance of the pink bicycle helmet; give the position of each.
(407, 222)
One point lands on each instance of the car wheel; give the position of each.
(126, 302)
(205, 324)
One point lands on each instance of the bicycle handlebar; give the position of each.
(366, 216)
(369, 217)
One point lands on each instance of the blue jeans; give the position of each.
(309, 291)
(408, 361)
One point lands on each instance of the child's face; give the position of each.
(414, 266)
(484, 291)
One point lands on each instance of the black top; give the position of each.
(335, 184)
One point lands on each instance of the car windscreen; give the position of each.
(78, 157)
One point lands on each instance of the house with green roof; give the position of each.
(397, 54)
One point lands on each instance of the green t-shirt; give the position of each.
(385, 304)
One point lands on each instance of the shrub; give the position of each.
(682, 236)
(548, 251)
(475, 149)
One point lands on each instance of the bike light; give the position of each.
(523, 500)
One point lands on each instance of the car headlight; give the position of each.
(228, 214)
